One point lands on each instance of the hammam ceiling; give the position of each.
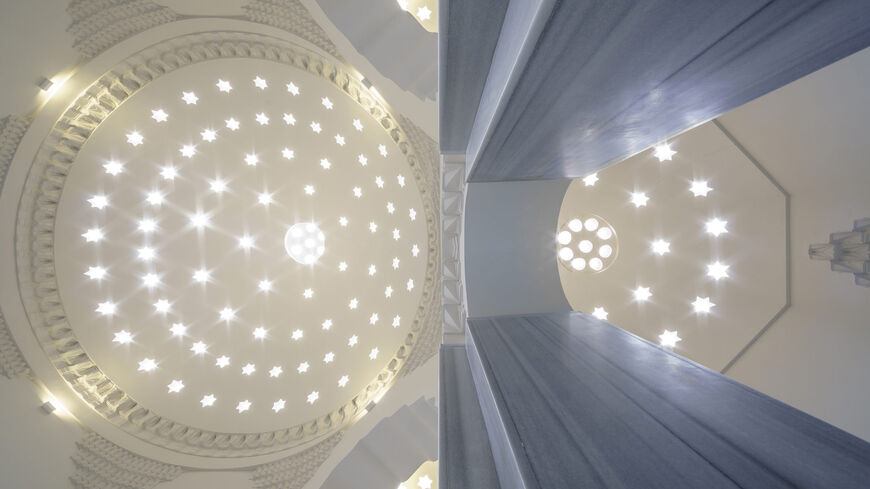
(224, 242)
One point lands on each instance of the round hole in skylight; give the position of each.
(586, 243)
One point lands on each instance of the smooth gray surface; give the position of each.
(464, 453)
(609, 79)
(586, 404)
(509, 250)
(468, 33)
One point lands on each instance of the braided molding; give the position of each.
(100, 464)
(293, 17)
(100, 24)
(296, 470)
(12, 129)
(35, 243)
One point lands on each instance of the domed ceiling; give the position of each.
(227, 246)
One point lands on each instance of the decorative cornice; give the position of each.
(12, 363)
(100, 464)
(293, 17)
(100, 24)
(452, 203)
(296, 470)
(35, 242)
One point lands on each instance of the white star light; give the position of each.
(353, 303)
(600, 313)
(96, 273)
(302, 368)
(343, 380)
(353, 340)
(313, 397)
(188, 150)
(373, 227)
(639, 199)
(218, 186)
(357, 192)
(243, 406)
(379, 182)
(113, 167)
(208, 135)
(265, 285)
(260, 83)
(176, 386)
(288, 153)
(249, 369)
(329, 357)
(154, 198)
(168, 173)
(396, 263)
(308, 293)
(201, 275)
(189, 97)
(251, 159)
(146, 253)
(590, 180)
(325, 163)
(702, 305)
(315, 127)
(224, 86)
(207, 400)
(397, 321)
(342, 221)
(642, 294)
(373, 319)
(716, 227)
(222, 361)
(342, 266)
(147, 365)
(278, 405)
(93, 235)
(410, 285)
(232, 124)
(309, 190)
(412, 214)
(275, 371)
(260, 333)
(123, 337)
(147, 225)
(362, 160)
(178, 329)
(262, 118)
(388, 292)
(135, 138)
(700, 188)
(150, 280)
(199, 348)
(664, 152)
(401, 180)
(326, 324)
(357, 125)
(159, 115)
(717, 270)
(227, 314)
(396, 234)
(373, 354)
(372, 270)
(415, 250)
(199, 220)
(297, 334)
(660, 247)
(339, 139)
(382, 149)
(326, 103)
(669, 339)
(292, 88)
(424, 482)
(264, 198)
(289, 119)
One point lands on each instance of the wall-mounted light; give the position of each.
(44, 83)
(48, 407)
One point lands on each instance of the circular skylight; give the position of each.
(586, 243)
(241, 246)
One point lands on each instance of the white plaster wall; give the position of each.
(35, 447)
(812, 135)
